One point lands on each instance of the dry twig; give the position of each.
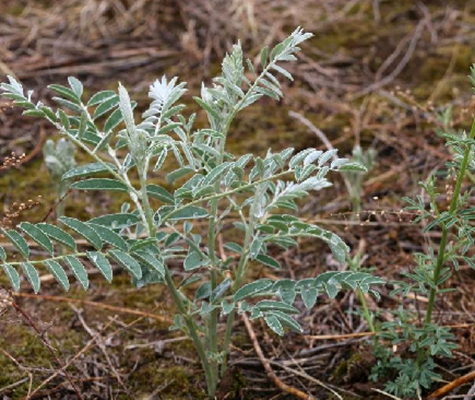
(97, 305)
(453, 385)
(48, 345)
(265, 362)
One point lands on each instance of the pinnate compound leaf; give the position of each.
(78, 270)
(57, 271)
(100, 184)
(253, 288)
(126, 261)
(101, 263)
(87, 170)
(32, 275)
(37, 235)
(13, 276)
(58, 234)
(84, 230)
(18, 241)
(273, 323)
(109, 236)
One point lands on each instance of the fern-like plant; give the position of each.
(434, 268)
(208, 184)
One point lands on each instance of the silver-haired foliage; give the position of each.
(208, 184)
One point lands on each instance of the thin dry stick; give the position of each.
(30, 375)
(270, 372)
(123, 310)
(12, 386)
(100, 343)
(364, 334)
(301, 372)
(79, 354)
(402, 64)
(313, 128)
(386, 394)
(47, 344)
(452, 385)
(470, 394)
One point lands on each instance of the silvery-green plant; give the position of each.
(354, 179)
(209, 183)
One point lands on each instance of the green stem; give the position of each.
(241, 269)
(213, 318)
(445, 231)
(367, 315)
(210, 374)
(147, 209)
(211, 378)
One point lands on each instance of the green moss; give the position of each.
(343, 368)
(27, 349)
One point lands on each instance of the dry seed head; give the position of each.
(6, 300)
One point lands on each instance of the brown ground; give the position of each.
(370, 76)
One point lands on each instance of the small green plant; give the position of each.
(427, 340)
(209, 183)
(59, 159)
(354, 179)
(355, 264)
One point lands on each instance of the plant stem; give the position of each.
(210, 373)
(367, 315)
(211, 378)
(239, 275)
(213, 318)
(445, 232)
